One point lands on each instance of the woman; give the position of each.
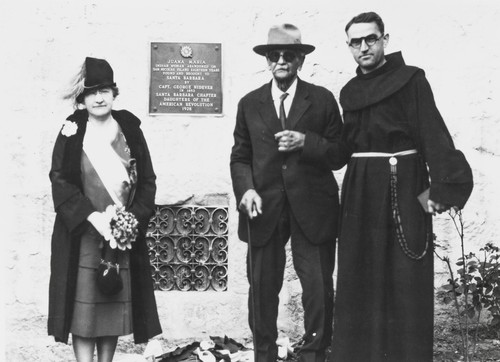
(100, 158)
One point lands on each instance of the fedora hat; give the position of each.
(285, 36)
(98, 74)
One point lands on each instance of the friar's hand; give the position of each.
(289, 141)
(251, 204)
(434, 207)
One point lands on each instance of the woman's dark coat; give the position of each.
(72, 209)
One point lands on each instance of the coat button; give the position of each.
(283, 167)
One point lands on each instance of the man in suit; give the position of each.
(285, 147)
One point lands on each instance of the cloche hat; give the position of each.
(285, 36)
(98, 74)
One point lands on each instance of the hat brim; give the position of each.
(103, 85)
(87, 90)
(265, 48)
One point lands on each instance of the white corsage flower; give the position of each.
(69, 128)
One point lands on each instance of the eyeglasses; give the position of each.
(288, 56)
(370, 40)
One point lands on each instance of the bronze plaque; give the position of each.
(185, 78)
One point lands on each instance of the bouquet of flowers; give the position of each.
(123, 227)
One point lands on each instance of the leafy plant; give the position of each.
(475, 288)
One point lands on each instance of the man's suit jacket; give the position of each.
(304, 177)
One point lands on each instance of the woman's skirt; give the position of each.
(96, 314)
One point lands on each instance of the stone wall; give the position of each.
(44, 42)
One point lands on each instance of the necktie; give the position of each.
(282, 110)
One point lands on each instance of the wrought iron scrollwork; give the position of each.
(188, 248)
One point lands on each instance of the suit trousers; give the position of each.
(314, 266)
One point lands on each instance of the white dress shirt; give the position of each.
(276, 94)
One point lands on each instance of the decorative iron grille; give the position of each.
(188, 248)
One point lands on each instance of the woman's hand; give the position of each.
(100, 221)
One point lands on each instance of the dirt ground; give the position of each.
(447, 339)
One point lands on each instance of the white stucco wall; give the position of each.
(44, 42)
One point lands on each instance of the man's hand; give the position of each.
(251, 204)
(289, 141)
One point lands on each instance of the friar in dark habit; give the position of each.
(399, 148)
